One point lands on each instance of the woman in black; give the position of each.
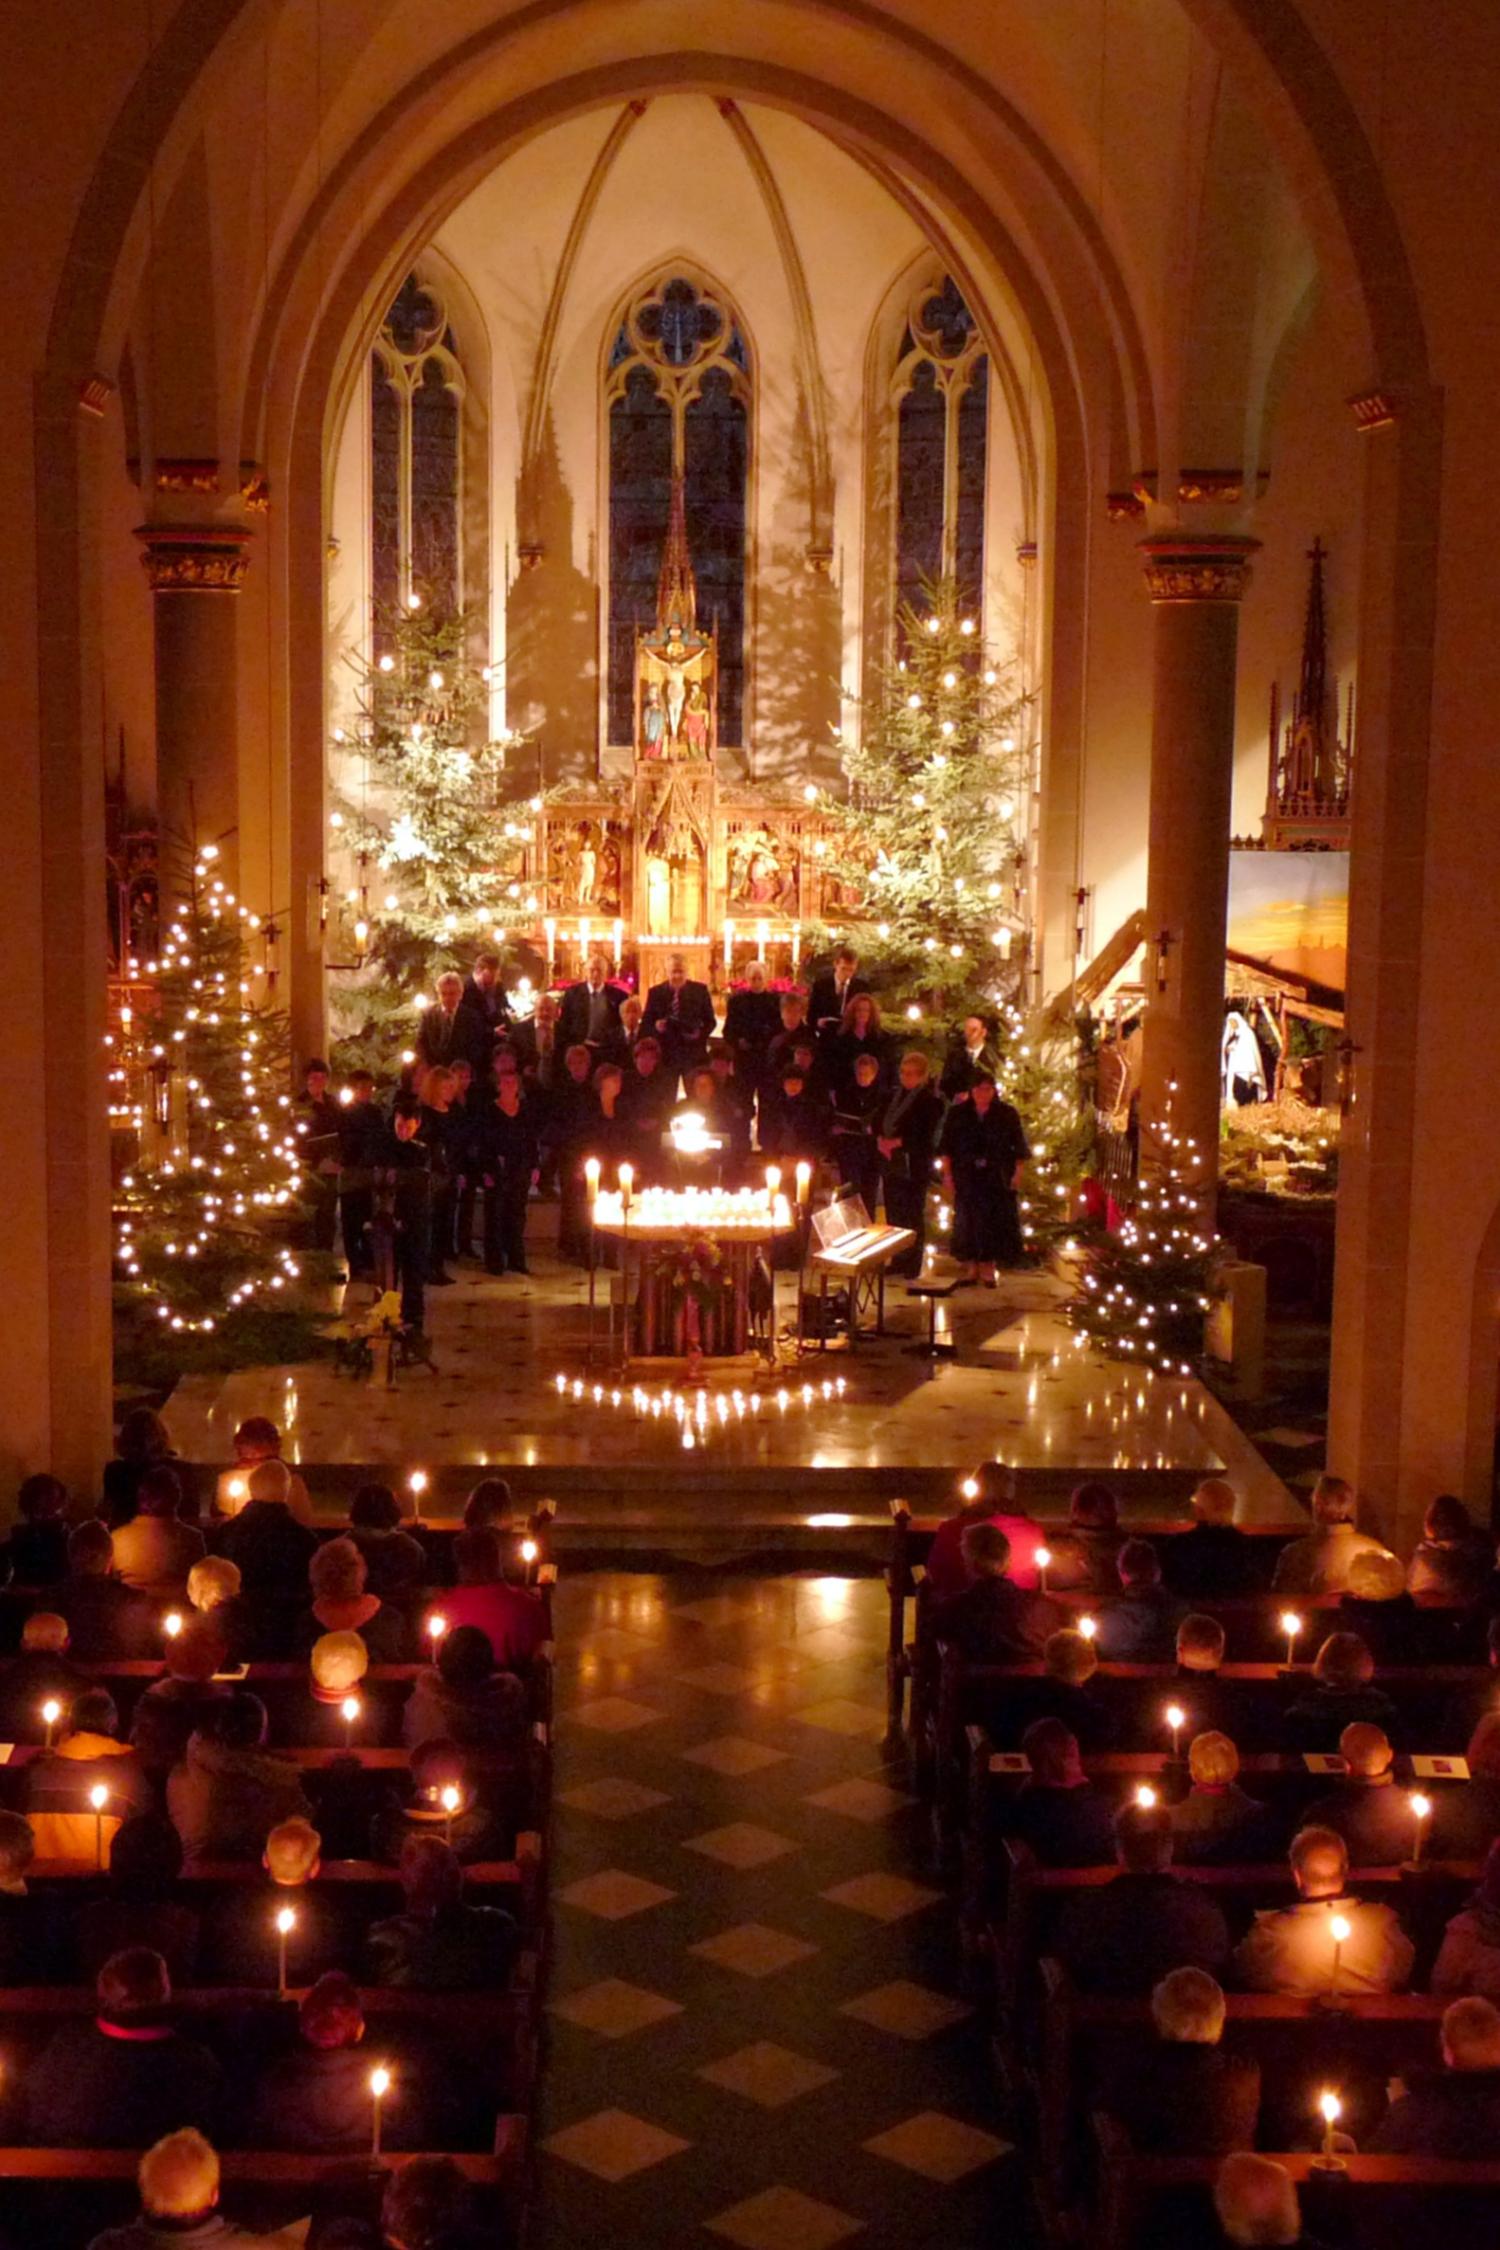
(984, 1147)
(571, 1132)
(858, 1034)
(442, 1130)
(509, 1148)
(905, 1139)
(857, 1111)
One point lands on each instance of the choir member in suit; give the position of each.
(973, 1056)
(752, 1019)
(590, 1014)
(681, 1015)
(831, 994)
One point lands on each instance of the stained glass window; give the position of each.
(942, 430)
(416, 455)
(678, 389)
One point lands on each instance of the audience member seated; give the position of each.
(154, 1552)
(1057, 1811)
(464, 1698)
(17, 1922)
(1466, 1820)
(1139, 1625)
(1215, 1560)
(143, 1443)
(270, 1546)
(428, 2206)
(240, 1936)
(1209, 1700)
(88, 1755)
(178, 2181)
(257, 1440)
(1257, 2205)
(1477, 1698)
(1217, 1821)
(317, 2098)
(1453, 2112)
(1185, 2096)
(341, 1604)
(992, 1621)
(437, 1942)
(138, 1908)
(171, 1707)
(213, 1589)
(395, 1563)
(128, 2077)
(1342, 1692)
(1063, 1692)
(336, 1671)
(1083, 1556)
(1126, 1936)
(1366, 1808)
(492, 1593)
(1319, 1564)
(1291, 1949)
(1453, 1559)
(1469, 1957)
(994, 1486)
(40, 1674)
(466, 1822)
(108, 1623)
(1378, 1607)
(229, 1791)
(37, 1549)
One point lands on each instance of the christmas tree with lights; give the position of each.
(932, 837)
(435, 851)
(1145, 1290)
(205, 1271)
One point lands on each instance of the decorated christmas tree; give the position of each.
(205, 1269)
(1145, 1288)
(435, 851)
(931, 837)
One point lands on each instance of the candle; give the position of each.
(627, 1179)
(1145, 1796)
(804, 1183)
(1088, 1627)
(435, 1628)
(1421, 1808)
(380, 2086)
(450, 1800)
(796, 946)
(619, 939)
(1341, 1929)
(1332, 2110)
(591, 1180)
(970, 1488)
(237, 1489)
(1176, 1716)
(529, 1552)
(51, 1713)
(728, 946)
(286, 1922)
(350, 1710)
(549, 931)
(416, 1485)
(1291, 1625)
(773, 1180)
(171, 1624)
(99, 1798)
(1042, 1558)
(762, 938)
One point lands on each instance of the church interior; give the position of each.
(749, 1427)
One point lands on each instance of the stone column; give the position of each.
(1195, 585)
(194, 573)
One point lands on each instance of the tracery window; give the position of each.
(678, 394)
(416, 455)
(942, 425)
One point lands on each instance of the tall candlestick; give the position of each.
(728, 947)
(380, 2086)
(350, 1710)
(99, 1798)
(591, 1171)
(1421, 1808)
(619, 935)
(627, 1180)
(51, 1713)
(549, 932)
(1175, 1716)
(773, 1180)
(416, 1485)
(796, 946)
(804, 1183)
(1291, 1625)
(286, 1922)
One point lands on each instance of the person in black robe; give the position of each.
(975, 1055)
(646, 1101)
(509, 1149)
(905, 1141)
(752, 1020)
(571, 1121)
(443, 1135)
(403, 1207)
(859, 1034)
(856, 1119)
(984, 1147)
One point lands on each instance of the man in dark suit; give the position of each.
(752, 1019)
(1126, 1936)
(832, 994)
(446, 1034)
(973, 1056)
(590, 1013)
(681, 1014)
(484, 1007)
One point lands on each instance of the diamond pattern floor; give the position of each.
(758, 2030)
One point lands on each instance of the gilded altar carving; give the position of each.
(186, 476)
(179, 560)
(1180, 570)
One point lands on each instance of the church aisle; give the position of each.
(755, 2029)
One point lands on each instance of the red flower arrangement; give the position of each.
(698, 1268)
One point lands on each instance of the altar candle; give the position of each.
(1340, 1929)
(762, 938)
(350, 1710)
(549, 931)
(627, 1178)
(1291, 1625)
(286, 1922)
(1176, 1717)
(1421, 1809)
(380, 2086)
(619, 939)
(796, 946)
(728, 947)
(1332, 2110)
(450, 1800)
(99, 1798)
(591, 1179)
(416, 1485)
(804, 1182)
(585, 932)
(773, 1182)
(51, 1713)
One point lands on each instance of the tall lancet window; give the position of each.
(416, 455)
(942, 417)
(678, 393)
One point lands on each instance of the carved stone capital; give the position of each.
(186, 476)
(1123, 507)
(187, 559)
(1197, 570)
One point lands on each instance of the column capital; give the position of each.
(194, 559)
(1180, 568)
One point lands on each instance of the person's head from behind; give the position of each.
(336, 1573)
(996, 1482)
(1187, 2008)
(270, 1481)
(1256, 2203)
(1376, 1576)
(212, 1582)
(1200, 1644)
(91, 1551)
(1214, 1501)
(143, 1436)
(1069, 1657)
(133, 1987)
(44, 1633)
(1213, 1760)
(432, 1878)
(17, 1851)
(1143, 1839)
(375, 1508)
(94, 1712)
(427, 2204)
(199, 1650)
(1365, 1751)
(478, 1556)
(1319, 1860)
(145, 1858)
(42, 1499)
(489, 1503)
(338, 1663)
(330, 2016)
(293, 1853)
(986, 1550)
(1139, 1565)
(256, 1439)
(436, 1765)
(1333, 1501)
(1092, 1506)
(465, 1658)
(1447, 1520)
(178, 2179)
(159, 1493)
(1052, 1750)
(235, 1722)
(1471, 2034)
(1343, 1664)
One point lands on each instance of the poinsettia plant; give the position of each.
(698, 1268)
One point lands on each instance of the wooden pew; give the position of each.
(281, 1686)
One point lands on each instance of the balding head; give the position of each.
(1319, 1860)
(1365, 1751)
(44, 1632)
(1188, 2008)
(179, 2179)
(1200, 1644)
(1052, 1750)
(1333, 1501)
(293, 1853)
(1471, 2035)
(1214, 1501)
(1070, 1657)
(1344, 1661)
(1376, 1576)
(1256, 2203)
(986, 1550)
(1213, 1760)
(270, 1480)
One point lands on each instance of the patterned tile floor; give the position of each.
(756, 2032)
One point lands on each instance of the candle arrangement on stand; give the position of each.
(703, 1210)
